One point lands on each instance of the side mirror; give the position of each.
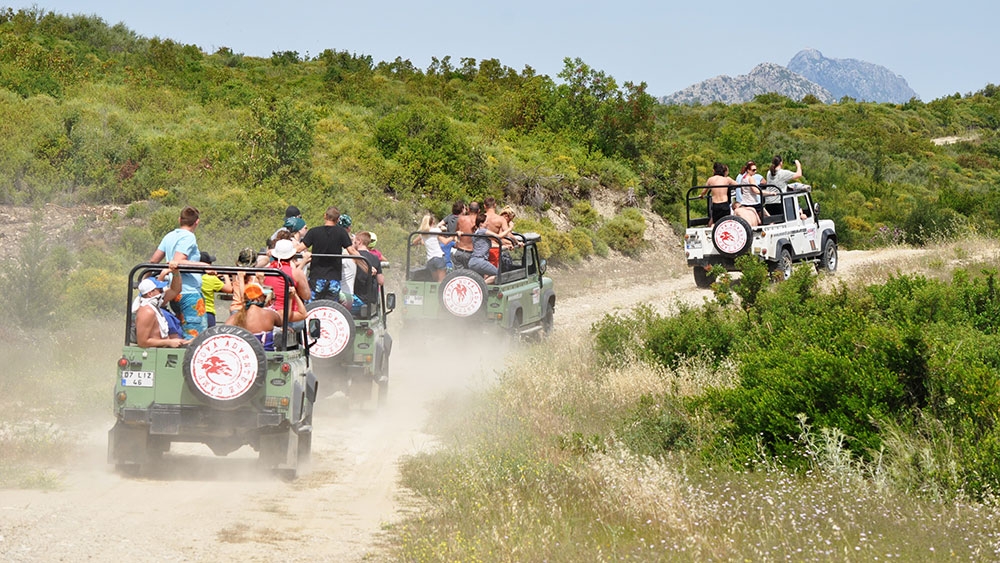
(390, 302)
(816, 210)
(315, 330)
(542, 265)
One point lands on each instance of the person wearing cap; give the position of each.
(259, 318)
(283, 258)
(210, 285)
(181, 246)
(371, 246)
(153, 326)
(294, 225)
(330, 238)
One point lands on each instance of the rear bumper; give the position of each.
(196, 422)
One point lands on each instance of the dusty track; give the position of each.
(197, 507)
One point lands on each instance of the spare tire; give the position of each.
(225, 365)
(732, 236)
(462, 293)
(337, 328)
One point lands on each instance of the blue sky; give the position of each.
(951, 47)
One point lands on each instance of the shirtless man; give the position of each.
(495, 223)
(466, 224)
(719, 186)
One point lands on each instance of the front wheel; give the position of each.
(828, 261)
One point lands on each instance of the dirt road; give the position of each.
(197, 507)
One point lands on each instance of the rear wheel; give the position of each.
(783, 267)
(702, 278)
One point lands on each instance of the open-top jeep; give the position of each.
(351, 354)
(223, 390)
(520, 300)
(790, 231)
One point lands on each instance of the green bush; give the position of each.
(582, 214)
(624, 232)
(94, 293)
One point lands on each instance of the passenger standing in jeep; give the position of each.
(719, 186)
(329, 238)
(369, 274)
(181, 246)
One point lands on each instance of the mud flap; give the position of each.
(128, 444)
(279, 450)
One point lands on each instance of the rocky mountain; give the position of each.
(764, 78)
(860, 80)
(809, 72)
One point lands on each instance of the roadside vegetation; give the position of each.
(821, 422)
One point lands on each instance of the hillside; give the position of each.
(96, 116)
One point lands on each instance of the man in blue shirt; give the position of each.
(181, 246)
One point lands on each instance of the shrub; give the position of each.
(582, 242)
(625, 231)
(582, 214)
(93, 292)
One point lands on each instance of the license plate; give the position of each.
(137, 379)
(413, 300)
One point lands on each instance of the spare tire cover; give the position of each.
(732, 235)
(462, 293)
(225, 365)
(337, 328)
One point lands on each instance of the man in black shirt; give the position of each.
(329, 238)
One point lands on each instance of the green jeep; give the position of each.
(351, 355)
(223, 390)
(521, 300)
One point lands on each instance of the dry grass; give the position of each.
(505, 488)
(53, 383)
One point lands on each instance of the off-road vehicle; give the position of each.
(521, 300)
(223, 390)
(351, 354)
(790, 232)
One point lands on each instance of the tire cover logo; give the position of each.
(224, 367)
(334, 332)
(462, 296)
(730, 237)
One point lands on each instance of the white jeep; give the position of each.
(790, 231)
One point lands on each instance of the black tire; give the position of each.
(548, 319)
(732, 236)
(383, 386)
(784, 265)
(462, 294)
(337, 329)
(828, 260)
(225, 366)
(701, 277)
(304, 452)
